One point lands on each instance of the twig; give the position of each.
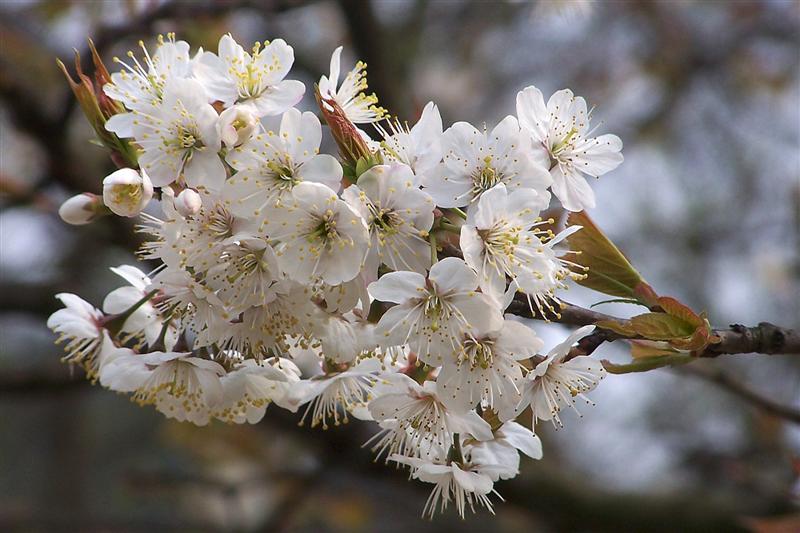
(739, 389)
(765, 338)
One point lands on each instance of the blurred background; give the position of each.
(704, 94)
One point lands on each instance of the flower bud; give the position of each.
(188, 202)
(97, 107)
(236, 125)
(352, 146)
(81, 209)
(126, 192)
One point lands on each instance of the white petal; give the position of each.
(279, 98)
(600, 155)
(522, 439)
(572, 190)
(323, 169)
(205, 170)
(398, 287)
(532, 112)
(453, 274)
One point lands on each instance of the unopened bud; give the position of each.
(126, 192)
(97, 107)
(82, 209)
(352, 146)
(236, 125)
(188, 202)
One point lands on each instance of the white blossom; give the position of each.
(236, 125)
(398, 216)
(145, 321)
(124, 370)
(180, 385)
(248, 389)
(419, 147)
(421, 422)
(474, 161)
(270, 165)
(359, 107)
(486, 368)
(434, 314)
(554, 383)
(244, 274)
(234, 76)
(180, 139)
(561, 129)
(140, 85)
(498, 458)
(282, 275)
(184, 298)
(188, 202)
(80, 327)
(343, 337)
(81, 209)
(126, 192)
(333, 395)
(501, 238)
(321, 236)
(453, 482)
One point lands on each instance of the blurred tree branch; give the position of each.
(725, 381)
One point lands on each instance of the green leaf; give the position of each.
(617, 301)
(617, 327)
(609, 271)
(643, 349)
(675, 308)
(645, 364)
(661, 326)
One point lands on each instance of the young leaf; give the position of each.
(626, 330)
(675, 308)
(661, 326)
(609, 272)
(643, 365)
(641, 349)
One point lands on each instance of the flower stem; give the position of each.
(114, 324)
(434, 252)
(459, 212)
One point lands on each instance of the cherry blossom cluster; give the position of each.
(371, 284)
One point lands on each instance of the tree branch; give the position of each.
(739, 389)
(765, 338)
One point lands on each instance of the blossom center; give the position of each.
(220, 222)
(283, 174)
(478, 353)
(325, 230)
(187, 138)
(566, 144)
(130, 194)
(386, 221)
(485, 178)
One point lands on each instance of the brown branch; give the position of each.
(765, 338)
(739, 389)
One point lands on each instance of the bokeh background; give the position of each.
(704, 94)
